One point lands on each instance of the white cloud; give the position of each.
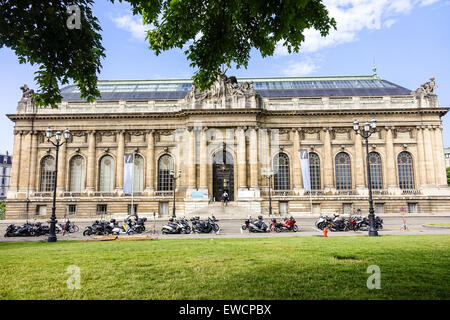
(354, 16)
(297, 68)
(133, 25)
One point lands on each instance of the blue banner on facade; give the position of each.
(128, 165)
(304, 164)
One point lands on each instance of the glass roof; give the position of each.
(185, 85)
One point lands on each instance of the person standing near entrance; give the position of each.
(225, 198)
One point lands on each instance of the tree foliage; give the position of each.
(224, 31)
(38, 34)
(211, 33)
(448, 175)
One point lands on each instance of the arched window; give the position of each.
(314, 171)
(138, 182)
(281, 172)
(375, 170)
(77, 169)
(165, 181)
(405, 171)
(343, 172)
(106, 174)
(47, 173)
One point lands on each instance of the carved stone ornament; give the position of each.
(224, 86)
(26, 92)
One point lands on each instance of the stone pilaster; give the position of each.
(328, 161)
(91, 163)
(150, 168)
(297, 174)
(360, 161)
(25, 162)
(120, 160)
(190, 162)
(428, 144)
(33, 179)
(390, 162)
(15, 169)
(422, 178)
(62, 158)
(253, 158)
(241, 158)
(203, 161)
(264, 154)
(441, 175)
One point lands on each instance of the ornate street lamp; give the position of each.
(269, 176)
(172, 174)
(366, 131)
(58, 143)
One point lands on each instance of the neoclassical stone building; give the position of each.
(229, 138)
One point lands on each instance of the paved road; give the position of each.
(232, 229)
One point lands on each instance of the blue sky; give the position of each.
(407, 39)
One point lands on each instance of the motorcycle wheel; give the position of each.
(244, 227)
(295, 228)
(74, 229)
(216, 227)
(164, 231)
(130, 232)
(86, 233)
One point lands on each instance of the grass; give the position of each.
(412, 267)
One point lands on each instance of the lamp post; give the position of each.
(366, 131)
(269, 176)
(172, 174)
(58, 143)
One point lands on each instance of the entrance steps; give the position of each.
(234, 209)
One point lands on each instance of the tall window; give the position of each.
(314, 171)
(47, 173)
(138, 179)
(405, 171)
(77, 169)
(281, 172)
(375, 170)
(165, 181)
(343, 172)
(106, 174)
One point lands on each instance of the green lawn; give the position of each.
(412, 267)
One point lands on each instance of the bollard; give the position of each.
(325, 232)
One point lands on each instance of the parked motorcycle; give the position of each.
(322, 222)
(98, 228)
(204, 226)
(174, 227)
(258, 225)
(288, 224)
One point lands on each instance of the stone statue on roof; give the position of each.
(26, 92)
(425, 93)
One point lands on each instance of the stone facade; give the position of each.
(252, 128)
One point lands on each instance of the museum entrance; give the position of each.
(223, 175)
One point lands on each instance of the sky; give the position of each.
(408, 40)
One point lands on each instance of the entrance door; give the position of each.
(223, 175)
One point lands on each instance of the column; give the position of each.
(253, 157)
(120, 159)
(15, 169)
(297, 174)
(90, 175)
(328, 160)
(150, 168)
(62, 157)
(421, 157)
(192, 181)
(264, 154)
(33, 180)
(428, 144)
(203, 161)
(391, 175)
(360, 161)
(241, 155)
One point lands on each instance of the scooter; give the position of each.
(289, 224)
(258, 226)
(174, 227)
(204, 226)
